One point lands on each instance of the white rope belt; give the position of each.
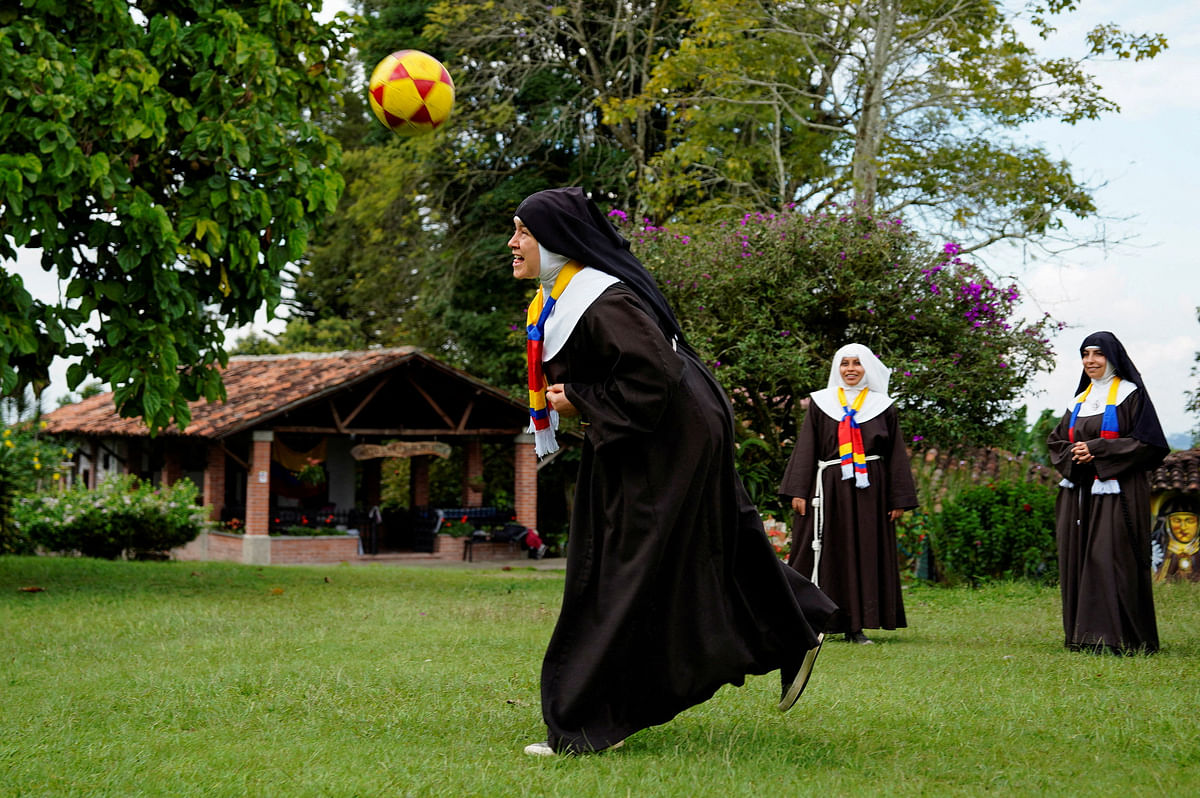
(818, 507)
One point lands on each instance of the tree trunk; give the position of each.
(870, 129)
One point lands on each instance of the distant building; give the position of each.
(306, 433)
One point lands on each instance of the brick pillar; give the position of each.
(256, 546)
(172, 469)
(473, 474)
(525, 481)
(214, 481)
(418, 480)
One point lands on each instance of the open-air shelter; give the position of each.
(333, 417)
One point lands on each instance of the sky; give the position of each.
(1145, 291)
(1145, 286)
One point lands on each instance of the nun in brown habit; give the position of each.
(672, 588)
(1107, 442)
(846, 505)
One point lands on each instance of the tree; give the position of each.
(767, 300)
(163, 157)
(909, 104)
(416, 253)
(1193, 403)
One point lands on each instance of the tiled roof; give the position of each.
(1179, 471)
(259, 387)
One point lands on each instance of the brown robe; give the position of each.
(672, 588)
(859, 569)
(1104, 539)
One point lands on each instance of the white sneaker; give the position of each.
(539, 749)
(544, 749)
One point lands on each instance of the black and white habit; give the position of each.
(1103, 510)
(672, 588)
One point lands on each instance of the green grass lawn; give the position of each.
(215, 679)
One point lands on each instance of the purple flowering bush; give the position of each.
(123, 516)
(768, 298)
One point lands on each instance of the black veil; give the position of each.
(1146, 428)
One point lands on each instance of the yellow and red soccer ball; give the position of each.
(411, 92)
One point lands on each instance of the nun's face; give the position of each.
(527, 258)
(851, 370)
(1094, 363)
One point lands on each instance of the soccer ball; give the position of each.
(411, 92)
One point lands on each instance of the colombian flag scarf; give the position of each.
(850, 442)
(1109, 429)
(542, 420)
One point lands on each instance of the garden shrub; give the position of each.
(12, 539)
(28, 463)
(121, 517)
(304, 531)
(1001, 530)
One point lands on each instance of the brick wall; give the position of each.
(172, 469)
(224, 547)
(258, 488)
(472, 493)
(214, 481)
(285, 550)
(525, 481)
(418, 480)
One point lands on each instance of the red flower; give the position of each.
(1027, 508)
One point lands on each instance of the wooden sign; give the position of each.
(370, 451)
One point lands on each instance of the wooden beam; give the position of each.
(234, 457)
(400, 431)
(433, 404)
(337, 420)
(462, 422)
(366, 400)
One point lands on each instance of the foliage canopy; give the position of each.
(163, 157)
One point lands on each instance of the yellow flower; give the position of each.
(45, 424)
(37, 466)
(57, 477)
(9, 444)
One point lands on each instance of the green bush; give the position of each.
(913, 542)
(303, 531)
(28, 463)
(1001, 530)
(121, 517)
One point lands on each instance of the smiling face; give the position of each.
(851, 370)
(1094, 363)
(527, 258)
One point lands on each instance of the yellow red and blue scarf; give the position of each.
(1108, 425)
(850, 442)
(1109, 429)
(542, 420)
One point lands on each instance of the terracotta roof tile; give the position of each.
(258, 388)
(1180, 471)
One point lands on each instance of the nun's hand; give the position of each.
(1081, 454)
(557, 398)
(894, 515)
(799, 505)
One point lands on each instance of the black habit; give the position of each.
(859, 567)
(672, 588)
